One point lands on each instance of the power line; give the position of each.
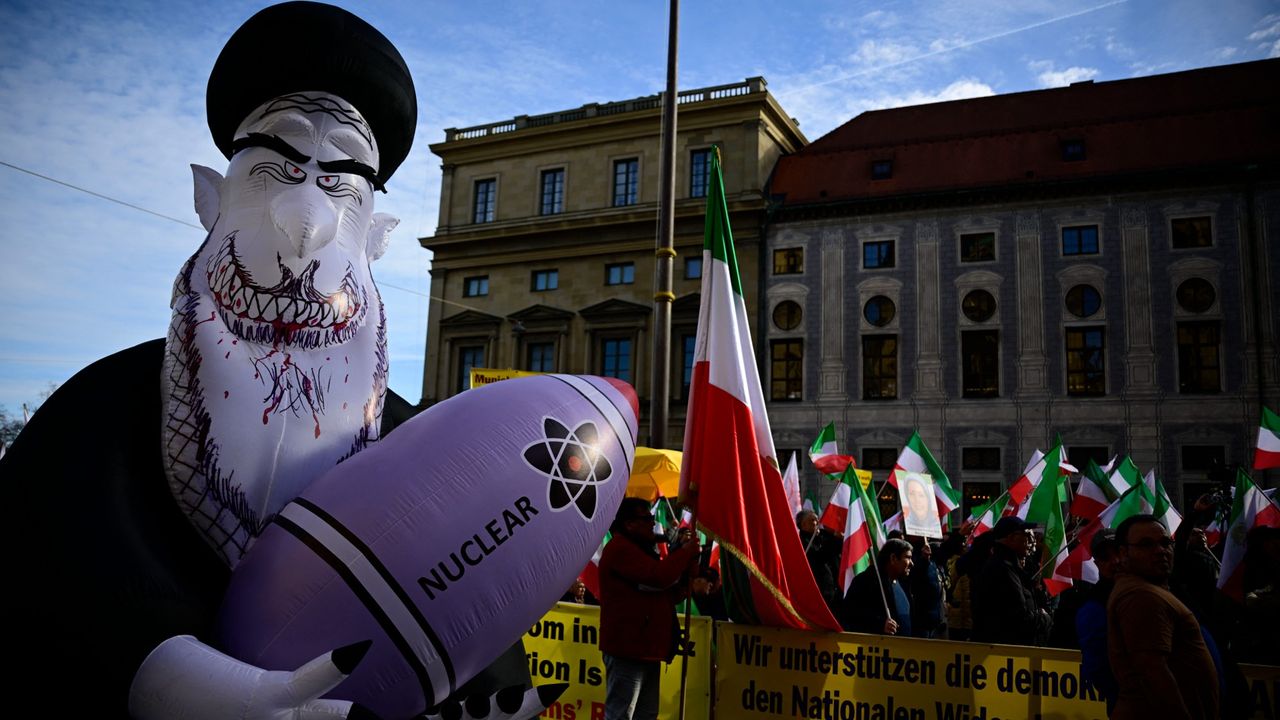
(167, 217)
(100, 195)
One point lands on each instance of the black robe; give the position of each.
(106, 565)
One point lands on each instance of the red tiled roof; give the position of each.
(1199, 118)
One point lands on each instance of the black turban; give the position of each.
(345, 56)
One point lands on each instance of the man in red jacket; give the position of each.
(638, 593)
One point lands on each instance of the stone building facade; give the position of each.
(1097, 262)
(544, 253)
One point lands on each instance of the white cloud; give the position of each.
(888, 52)
(1060, 78)
(1225, 53)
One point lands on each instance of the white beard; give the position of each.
(254, 414)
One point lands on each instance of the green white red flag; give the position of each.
(1094, 492)
(590, 575)
(1250, 508)
(1124, 476)
(988, 515)
(791, 484)
(825, 455)
(1161, 506)
(1078, 564)
(1267, 454)
(863, 533)
(730, 476)
(915, 457)
(1044, 507)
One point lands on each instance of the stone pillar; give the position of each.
(1141, 392)
(1032, 392)
(435, 366)
(832, 368)
(446, 196)
(928, 381)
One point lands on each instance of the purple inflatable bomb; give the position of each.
(443, 543)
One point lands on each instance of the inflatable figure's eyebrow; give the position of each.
(270, 142)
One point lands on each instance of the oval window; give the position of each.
(1083, 301)
(787, 315)
(1196, 295)
(978, 305)
(879, 311)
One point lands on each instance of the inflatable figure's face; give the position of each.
(294, 222)
(276, 365)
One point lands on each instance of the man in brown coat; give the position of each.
(1158, 655)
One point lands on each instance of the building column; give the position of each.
(1032, 392)
(434, 388)
(928, 381)
(832, 369)
(1141, 393)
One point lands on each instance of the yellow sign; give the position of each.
(772, 673)
(489, 376)
(563, 647)
(864, 477)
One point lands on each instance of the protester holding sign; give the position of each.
(872, 592)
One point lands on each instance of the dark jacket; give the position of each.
(824, 560)
(1004, 609)
(638, 593)
(1091, 629)
(863, 607)
(926, 598)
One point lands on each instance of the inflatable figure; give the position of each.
(145, 479)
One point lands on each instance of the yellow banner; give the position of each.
(489, 376)
(864, 477)
(772, 673)
(563, 647)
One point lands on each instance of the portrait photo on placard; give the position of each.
(919, 509)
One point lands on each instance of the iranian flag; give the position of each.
(1268, 453)
(1250, 508)
(1161, 506)
(1044, 507)
(1094, 493)
(893, 522)
(1124, 476)
(791, 485)
(729, 475)
(1050, 468)
(1078, 564)
(863, 533)
(915, 457)
(824, 454)
(837, 509)
(988, 515)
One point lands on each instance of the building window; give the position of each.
(1203, 458)
(980, 458)
(1192, 232)
(1198, 360)
(978, 305)
(787, 315)
(545, 280)
(1086, 361)
(693, 267)
(552, 192)
(789, 261)
(1073, 150)
(879, 311)
(699, 172)
(879, 458)
(687, 344)
(540, 356)
(1196, 295)
(881, 169)
(786, 361)
(977, 247)
(1083, 301)
(877, 254)
(1080, 240)
(879, 367)
(1082, 454)
(486, 199)
(615, 358)
(626, 181)
(475, 286)
(469, 356)
(620, 274)
(981, 362)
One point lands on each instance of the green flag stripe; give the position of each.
(717, 235)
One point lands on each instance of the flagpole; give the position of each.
(665, 252)
(875, 568)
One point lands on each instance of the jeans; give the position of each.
(631, 688)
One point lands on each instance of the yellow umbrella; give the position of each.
(655, 472)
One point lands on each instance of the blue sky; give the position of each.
(109, 97)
